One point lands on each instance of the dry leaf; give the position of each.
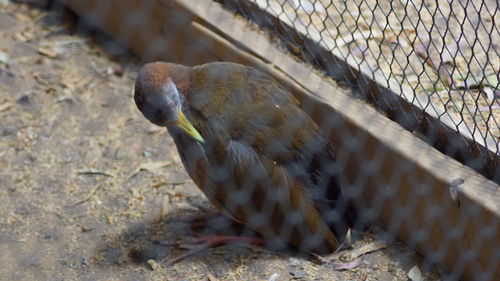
(153, 264)
(453, 188)
(69, 84)
(117, 71)
(48, 52)
(490, 108)
(449, 54)
(491, 81)
(21, 17)
(211, 277)
(273, 277)
(453, 50)
(348, 238)
(421, 50)
(308, 7)
(354, 253)
(471, 83)
(165, 207)
(359, 50)
(154, 165)
(154, 129)
(348, 265)
(84, 82)
(5, 106)
(362, 36)
(490, 94)
(445, 76)
(365, 249)
(434, 62)
(415, 274)
(4, 58)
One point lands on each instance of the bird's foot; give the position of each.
(203, 242)
(204, 219)
(198, 221)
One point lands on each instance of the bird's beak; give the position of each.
(187, 127)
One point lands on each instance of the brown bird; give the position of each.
(245, 142)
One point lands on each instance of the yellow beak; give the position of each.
(185, 125)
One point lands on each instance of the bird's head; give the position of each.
(158, 98)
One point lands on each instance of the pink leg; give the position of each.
(201, 220)
(202, 243)
(197, 218)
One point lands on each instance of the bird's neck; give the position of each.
(180, 74)
(183, 101)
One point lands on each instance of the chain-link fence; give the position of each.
(441, 58)
(306, 177)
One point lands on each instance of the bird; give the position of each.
(249, 147)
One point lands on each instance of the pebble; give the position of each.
(294, 262)
(273, 277)
(298, 274)
(24, 100)
(7, 131)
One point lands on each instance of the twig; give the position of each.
(149, 166)
(354, 253)
(91, 192)
(173, 183)
(95, 172)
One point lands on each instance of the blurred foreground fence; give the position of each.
(432, 67)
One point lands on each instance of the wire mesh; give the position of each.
(92, 190)
(441, 58)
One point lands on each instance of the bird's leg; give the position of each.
(197, 218)
(212, 219)
(201, 243)
(200, 220)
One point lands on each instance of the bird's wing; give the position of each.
(289, 137)
(240, 103)
(249, 105)
(266, 197)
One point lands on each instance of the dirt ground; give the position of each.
(87, 184)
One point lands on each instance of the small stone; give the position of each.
(7, 131)
(273, 277)
(24, 100)
(154, 129)
(147, 154)
(29, 159)
(110, 255)
(294, 262)
(117, 71)
(298, 274)
(4, 57)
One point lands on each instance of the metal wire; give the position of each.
(447, 53)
